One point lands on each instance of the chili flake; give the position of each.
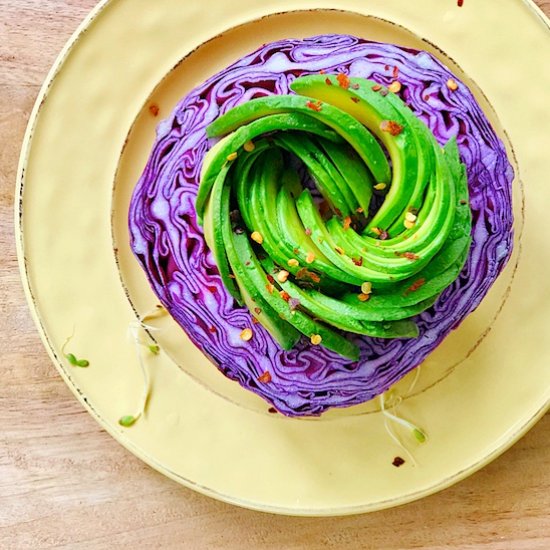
(272, 410)
(460, 3)
(355, 99)
(310, 257)
(343, 80)
(347, 223)
(376, 88)
(358, 261)
(282, 276)
(270, 288)
(308, 231)
(246, 334)
(213, 289)
(384, 235)
(257, 237)
(212, 329)
(284, 295)
(395, 72)
(359, 210)
(366, 288)
(314, 106)
(452, 85)
(316, 339)
(255, 321)
(416, 285)
(328, 81)
(391, 127)
(154, 109)
(463, 201)
(257, 310)
(265, 378)
(270, 278)
(293, 262)
(395, 87)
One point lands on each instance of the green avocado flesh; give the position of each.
(360, 244)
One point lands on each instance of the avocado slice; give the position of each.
(335, 132)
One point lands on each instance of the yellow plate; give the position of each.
(89, 138)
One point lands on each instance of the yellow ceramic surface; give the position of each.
(88, 140)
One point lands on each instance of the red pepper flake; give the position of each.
(460, 3)
(398, 461)
(257, 310)
(328, 81)
(308, 231)
(359, 210)
(391, 127)
(376, 88)
(265, 378)
(247, 263)
(386, 67)
(355, 99)
(296, 251)
(358, 261)
(322, 71)
(154, 109)
(355, 86)
(255, 321)
(284, 295)
(415, 286)
(384, 235)
(343, 81)
(272, 410)
(270, 278)
(463, 201)
(231, 276)
(304, 273)
(408, 255)
(427, 97)
(347, 223)
(213, 329)
(213, 289)
(395, 72)
(314, 106)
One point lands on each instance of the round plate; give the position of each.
(88, 140)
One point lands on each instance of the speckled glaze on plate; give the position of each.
(89, 137)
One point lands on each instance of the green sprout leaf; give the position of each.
(154, 349)
(419, 435)
(128, 420)
(72, 359)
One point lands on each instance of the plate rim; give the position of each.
(32, 306)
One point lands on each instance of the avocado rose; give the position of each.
(318, 240)
(358, 268)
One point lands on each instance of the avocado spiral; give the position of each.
(392, 230)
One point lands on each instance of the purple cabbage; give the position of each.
(169, 243)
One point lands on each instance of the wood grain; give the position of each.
(65, 483)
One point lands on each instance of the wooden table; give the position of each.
(65, 483)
